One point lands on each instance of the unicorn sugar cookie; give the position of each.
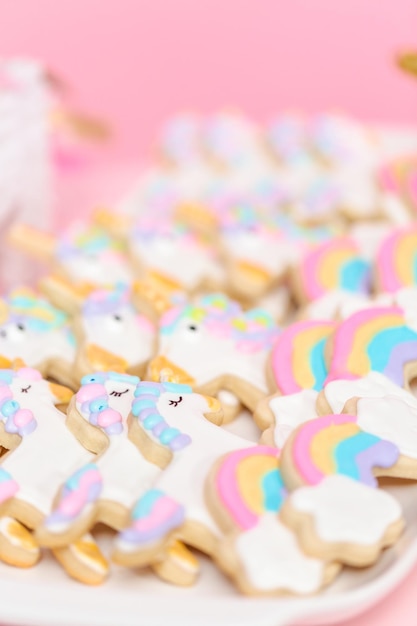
(38, 334)
(335, 506)
(42, 451)
(180, 430)
(105, 488)
(111, 333)
(379, 339)
(85, 255)
(258, 552)
(333, 266)
(213, 345)
(297, 369)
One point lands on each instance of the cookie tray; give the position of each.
(45, 596)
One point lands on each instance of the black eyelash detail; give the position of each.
(175, 402)
(118, 394)
(26, 389)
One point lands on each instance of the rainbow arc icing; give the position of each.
(376, 339)
(335, 264)
(334, 444)
(396, 262)
(249, 484)
(298, 359)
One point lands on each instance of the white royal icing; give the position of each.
(347, 511)
(391, 418)
(35, 347)
(122, 332)
(373, 385)
(291, 411)
(272, 558)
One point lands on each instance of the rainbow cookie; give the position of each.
(336, 508)
(375, 339)
(396, 261)
(333, 265)
(194, 336)
(297, 369)
(258, 552)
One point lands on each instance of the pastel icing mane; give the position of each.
(396, 262)
(109, 301)
(36, 313)
(251, 331)
(298, 360)
(94, 400)
(92, 241)
(288, 138)
(334, 264)
(16, 420)
(145, 408)
(376, 339)
(334, 444)
(149, 228)
(249, 484)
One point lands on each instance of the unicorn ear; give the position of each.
(214, 412)
(149, 299)
(11, 364)
(62, 395)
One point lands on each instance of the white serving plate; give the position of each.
(45, 596)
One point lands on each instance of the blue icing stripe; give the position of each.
(273, 490)
(381, 346)
(347, 450)
(318, 364)
(144, 506)
(6, 376)
(177, 388)
(123, 378)
(354, 276)
(4, 476)
(73, 481)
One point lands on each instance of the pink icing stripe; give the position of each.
(8, 489)
(29, 373)
(301, 448)
(385, 263)
(90, 392)
(73, 503)
(282, 355)
(163, 509)
(344, 338)
(228, 488)
(108, 417)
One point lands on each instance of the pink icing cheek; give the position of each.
(23, 417)
(108, 417)
(29, 373)
(90, 392)
(145, 325)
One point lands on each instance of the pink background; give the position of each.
(136, 61)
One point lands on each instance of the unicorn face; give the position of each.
(193, 337)
(111, 322)
(92, 256)
(24, 396)
(167, 248)
(34, 330)
(105, 400)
